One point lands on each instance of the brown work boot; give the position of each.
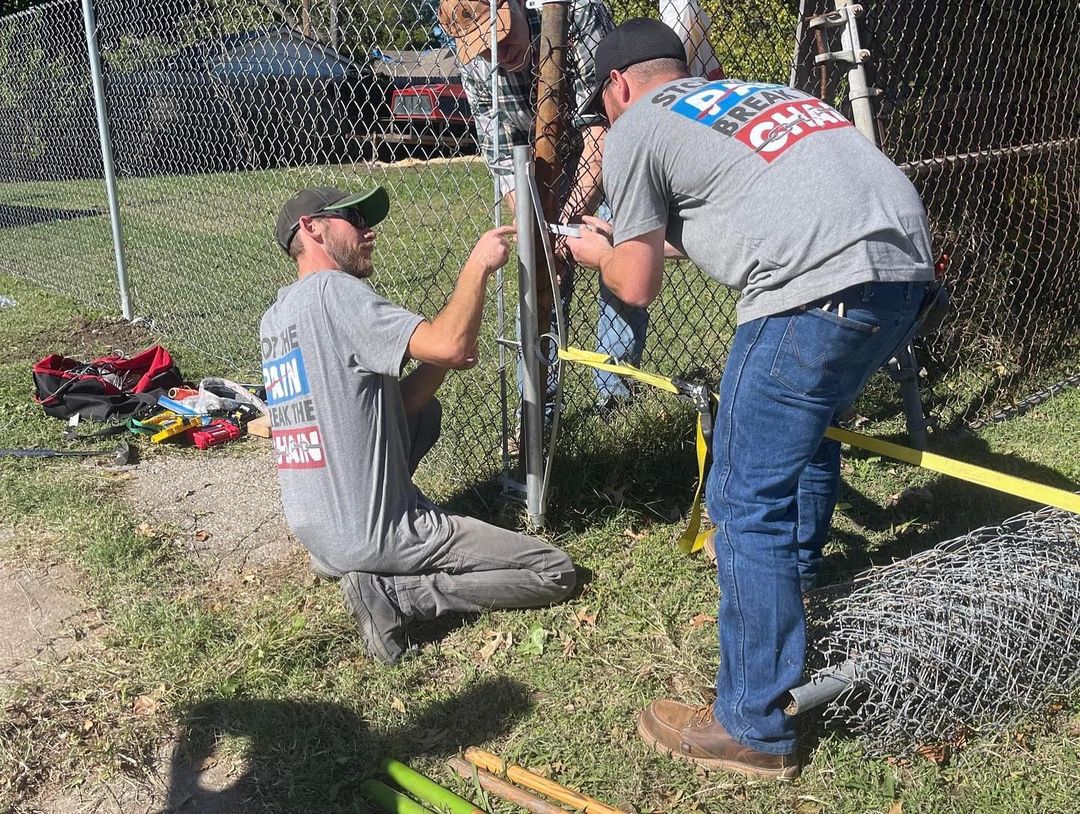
(691, 733)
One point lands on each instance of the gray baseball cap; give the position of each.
(372, 204)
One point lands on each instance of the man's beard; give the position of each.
(351, 258)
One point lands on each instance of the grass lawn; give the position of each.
(203, 267)
(270, 673)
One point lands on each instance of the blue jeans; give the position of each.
(620, 332)
(773, 486)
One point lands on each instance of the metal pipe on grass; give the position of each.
(426, 789)
(823, 687)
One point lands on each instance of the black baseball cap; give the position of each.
(373, 205)
(639, 39)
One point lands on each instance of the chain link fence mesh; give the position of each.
(972, 636)
(220, 109)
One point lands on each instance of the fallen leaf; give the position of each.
(497, 640)
(568, 647)
(144, 529)
(935, 753)
(87, 725)
(145, 705)
(701, 619)
(843, 507)
(633, 535)
(896, 807)
(583, 617)
(397, 705)
(202, 535)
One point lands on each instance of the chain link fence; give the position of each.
(220, 109)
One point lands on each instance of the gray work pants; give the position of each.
(480, 566)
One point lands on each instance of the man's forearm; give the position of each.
(586, 191)
(420, 386)
(459, 321)
(628, 277)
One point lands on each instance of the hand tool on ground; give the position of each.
(523, 777)
(173, 427)
(502, 789)
(176, 406)
(389, 800)
(425, 789)
(218, 431)
(120, 454)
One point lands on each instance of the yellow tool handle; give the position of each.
(523, 777)
(169, 430)
(1009, 484)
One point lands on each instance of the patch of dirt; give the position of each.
(40, 618)
(175, 784)
(86, 339)
(227, 508)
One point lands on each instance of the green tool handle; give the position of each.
(389, 800)
(426, 789)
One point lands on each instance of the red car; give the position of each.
(431, 116)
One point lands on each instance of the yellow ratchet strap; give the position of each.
(602, 361)
(1009, 484)
(692, 539)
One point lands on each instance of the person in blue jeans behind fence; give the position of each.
(772, 193)
(508, 118)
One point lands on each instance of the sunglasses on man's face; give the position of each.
(350, 216)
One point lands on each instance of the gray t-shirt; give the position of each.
(768, 190)
(332, 352)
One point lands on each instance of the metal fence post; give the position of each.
(532, 397)
(858, 88)
(904, 368)
(105, 138)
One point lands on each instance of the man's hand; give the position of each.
(492, 250)
(594, 245)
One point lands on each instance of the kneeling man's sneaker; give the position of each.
(691, 733)
(380, 620)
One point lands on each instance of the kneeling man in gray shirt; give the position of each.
(349, 431)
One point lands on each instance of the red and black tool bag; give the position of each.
(112, 387)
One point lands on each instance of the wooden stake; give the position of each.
(551, 120)
(523, 777)
(503, 790)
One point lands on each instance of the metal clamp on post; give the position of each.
(700, 396)
(841, 18)
(538, 5)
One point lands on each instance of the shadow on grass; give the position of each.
(638, 460)
(944, 509)
(309, 756)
